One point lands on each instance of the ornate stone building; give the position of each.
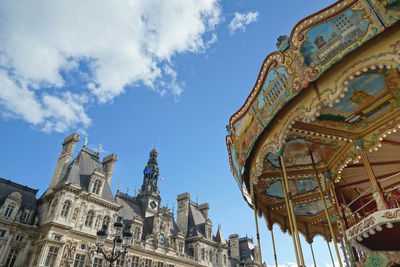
(59, 228)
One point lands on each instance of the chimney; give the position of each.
(203, 208)
(108, 166)
(64, 159)
(183, 212)
(234, 246)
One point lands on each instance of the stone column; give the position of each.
(43, 254)
(377, 191)
(3, 256)
(22, 255)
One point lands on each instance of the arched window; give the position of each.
(106, 221)
(75, 215)
(137, 233)
(96, 186)
(89, 218)
(53, 207)
(65, 208)
(98, 219)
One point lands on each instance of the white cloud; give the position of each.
(57, 57)
(241, 20)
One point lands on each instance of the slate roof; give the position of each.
(28, 194)
(246, 248)
(80, 169)
(196, 222)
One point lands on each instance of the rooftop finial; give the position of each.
(99, 149)
(86, 140)
(127, 189)
(155, 144)
(119, 186)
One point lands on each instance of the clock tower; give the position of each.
(149, 192)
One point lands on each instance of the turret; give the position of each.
(64, 159)
(149, 193)
(183, 212)
(234, 246)
(108, 166)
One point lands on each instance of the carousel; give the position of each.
(315, 148)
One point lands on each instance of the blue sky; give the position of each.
(175, 79)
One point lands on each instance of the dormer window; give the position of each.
(96, 186)
(26, 216)
(9, 210)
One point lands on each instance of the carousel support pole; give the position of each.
(326, 209)
(342, 226)
(272, 237)
(377, 191)
(291, 209)
(273, 245)
(258, 234)
(312, 253)
(330, 253)
(289, 216)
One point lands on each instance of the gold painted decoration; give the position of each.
(316, 43)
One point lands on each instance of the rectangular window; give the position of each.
(135, 261)
(12, 256)
(79, 260)
(51, 256)
(160, 264)
(147, 263)
(121, 261)
(57, 237)
(19, 238)
(26, 216)
(3, 233)
(9, 210)
(97, 262)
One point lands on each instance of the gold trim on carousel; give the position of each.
(377, 146)
(330, 136)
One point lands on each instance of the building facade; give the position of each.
(59, 228)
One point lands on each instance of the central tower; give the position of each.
(149, 193)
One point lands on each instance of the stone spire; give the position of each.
(150, 175)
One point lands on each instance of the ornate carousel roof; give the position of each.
(331, 91)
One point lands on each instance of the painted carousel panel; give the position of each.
(311, 208)
(388, 10)
(297, 187)
(366, 100)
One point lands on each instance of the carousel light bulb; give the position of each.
(380, 139)
(373, 67)
(365, 69)
(389, 66)
(359, 238)
(389, 225)
(380, 66)
(365, 235)
(379, 145)
(379, 228)
(358, 72)
(376, 149)
(372, 231)
(345, 89)
(351, 77)
(384, 136)
(346, 82)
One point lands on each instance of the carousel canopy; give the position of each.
(331, 95)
